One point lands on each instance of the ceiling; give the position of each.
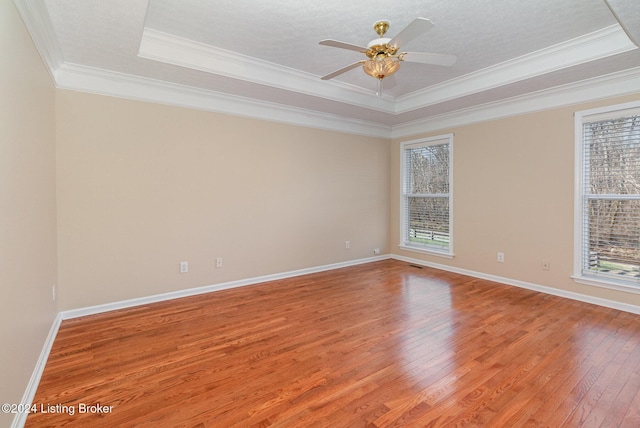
(262, 59)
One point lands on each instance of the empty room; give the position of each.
(320, 214)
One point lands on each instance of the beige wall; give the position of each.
(136, 188)
(513, 193)
(27, 206)
(143, 186)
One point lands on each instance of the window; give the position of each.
(426, 206)
(608, 197)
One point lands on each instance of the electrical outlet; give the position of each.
(545, 264)
(347, 245)
(184, 267)
(219, 262)
(376, 251)
(501, 257)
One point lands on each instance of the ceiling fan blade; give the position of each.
(417, 27)
(430, 58)
(342, 45)
(342, 70)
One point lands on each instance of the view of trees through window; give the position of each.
(428, 195)
(612, 196)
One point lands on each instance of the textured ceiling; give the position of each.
(480, 33)
(269, 52)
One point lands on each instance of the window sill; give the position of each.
(444, 254)
(606, 283)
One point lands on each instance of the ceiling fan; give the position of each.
(383, 54)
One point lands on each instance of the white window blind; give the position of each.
(609, 187)
(427, 195)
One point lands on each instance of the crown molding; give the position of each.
(167, 48)
(36, 18)
(600, 44)
(187, 53)
(98, 81)
(612, 85)
(627, 13)
(86, 79)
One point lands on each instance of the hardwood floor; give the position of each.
(377, 345)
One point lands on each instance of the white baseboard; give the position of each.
(29, 394)
(74, 313)
(91, 310)
(21, 418)
(528, 285)
(27, 398)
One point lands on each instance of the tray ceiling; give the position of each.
(262, 59)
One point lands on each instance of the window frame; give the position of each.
(446, 252)
(580, 118)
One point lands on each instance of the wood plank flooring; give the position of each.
(382, 344)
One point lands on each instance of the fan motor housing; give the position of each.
(380, 47)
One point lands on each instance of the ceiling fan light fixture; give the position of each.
(381, 66)
(384, 54)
